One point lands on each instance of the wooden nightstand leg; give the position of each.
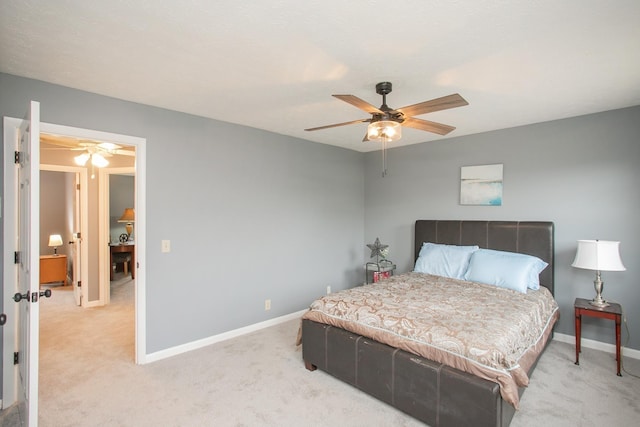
(618, 321)
(578, 330)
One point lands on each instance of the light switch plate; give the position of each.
(166, 246)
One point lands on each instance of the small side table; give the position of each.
(384, 269)
(612, 312)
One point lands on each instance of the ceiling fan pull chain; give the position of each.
(384, 156)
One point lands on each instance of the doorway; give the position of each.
(97, 297)
(68, 198)
(110, 234)
(10, 136)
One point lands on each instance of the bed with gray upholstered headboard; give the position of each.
(432, 389)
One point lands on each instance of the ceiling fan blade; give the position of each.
(428, 126)
(339, 124)
(60, 141)
(444, 103)
(124, 152)
(359, 103)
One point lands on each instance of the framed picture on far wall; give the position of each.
(481, 185)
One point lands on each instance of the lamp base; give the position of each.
(598, 285)
(600, 304)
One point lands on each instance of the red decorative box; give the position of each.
(379, 275)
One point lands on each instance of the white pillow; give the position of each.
(444, 260)
(505, 269)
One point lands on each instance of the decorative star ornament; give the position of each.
(378, 249)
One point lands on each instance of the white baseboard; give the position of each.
(194, 345)
(596, 345)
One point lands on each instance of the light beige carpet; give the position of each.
(87, 378)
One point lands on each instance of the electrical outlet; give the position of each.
(267, 305)
(328, 290)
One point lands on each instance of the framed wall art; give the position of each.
(481, 185)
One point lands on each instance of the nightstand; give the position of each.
(53, 268)
(612, 312)
(378, 271)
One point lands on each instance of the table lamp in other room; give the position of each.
(128, 216)
(55, 240)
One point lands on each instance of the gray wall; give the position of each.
(250, 214)
(581, 173)
(253, 215)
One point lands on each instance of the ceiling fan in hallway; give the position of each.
(93, 152)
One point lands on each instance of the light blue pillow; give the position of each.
(444, 260)
(505, 269)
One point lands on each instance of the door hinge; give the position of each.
(16, 257)
(16, 357)
(16, 157)
(77, 186)
(79, 283)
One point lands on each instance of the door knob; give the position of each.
(19, 297)
(3, 319)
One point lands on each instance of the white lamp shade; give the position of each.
(601, 255)
(55, 240)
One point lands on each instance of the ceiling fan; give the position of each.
(95, 151)
(385, 123)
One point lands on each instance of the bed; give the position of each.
(435, 387)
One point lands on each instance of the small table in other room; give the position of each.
(119, 249)
(53, 268)
(612, 312)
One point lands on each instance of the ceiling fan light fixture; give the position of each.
(98, 160)
(109, 146)
(387, 130)
(82, 159)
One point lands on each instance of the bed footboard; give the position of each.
(431, 392)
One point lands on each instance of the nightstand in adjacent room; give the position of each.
(53, 268)
(612, 312)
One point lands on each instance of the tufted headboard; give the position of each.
(527, 237)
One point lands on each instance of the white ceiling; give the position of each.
(273, 65)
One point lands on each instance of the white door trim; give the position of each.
(10, 273)
(140, 196)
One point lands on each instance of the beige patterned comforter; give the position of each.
(488, 331)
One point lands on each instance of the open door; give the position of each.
(28, 262)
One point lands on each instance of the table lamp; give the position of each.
(55, 240)
(598, 255)
(129, 217)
